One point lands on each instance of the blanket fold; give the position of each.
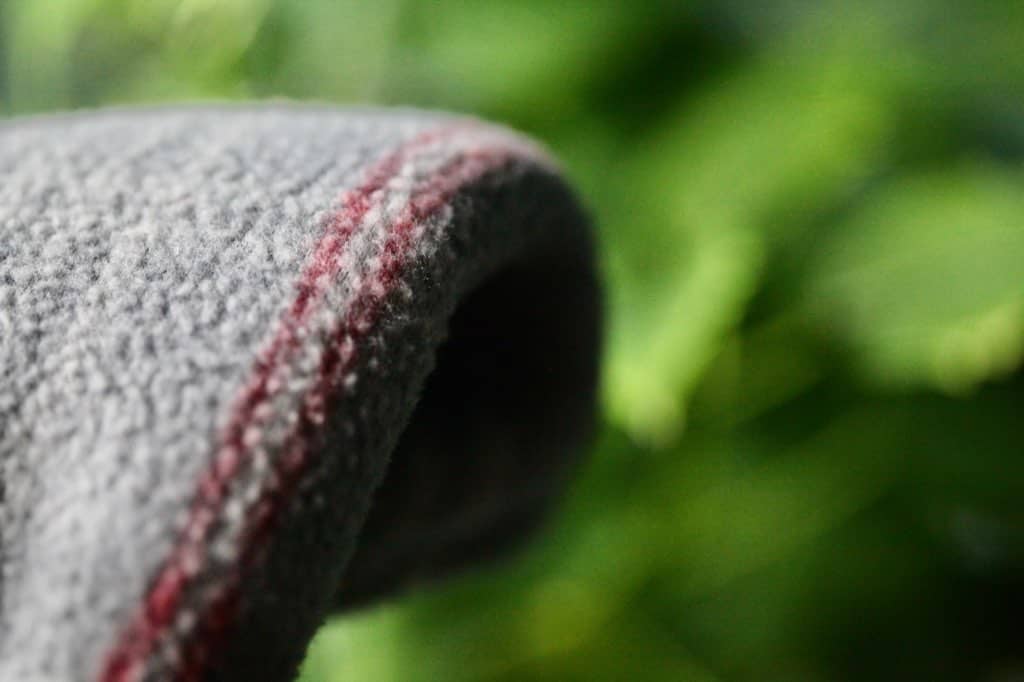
(259, 363)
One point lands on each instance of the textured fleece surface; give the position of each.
(218, 415)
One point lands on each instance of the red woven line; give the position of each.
(162, 600)
(323, 266)
(334, 367)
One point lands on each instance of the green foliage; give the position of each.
(812, 227)
(925, 278)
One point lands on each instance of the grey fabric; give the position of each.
(215, 325)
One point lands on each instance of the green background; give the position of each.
(811, 217)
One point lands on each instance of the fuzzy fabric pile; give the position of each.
(261, 363)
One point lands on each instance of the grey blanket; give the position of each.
(260, 363)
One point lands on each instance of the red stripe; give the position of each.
(162, 601)
(330, 381)
(127, 658)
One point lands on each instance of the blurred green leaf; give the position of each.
(732, 171)
(925, 282)
(531, 59)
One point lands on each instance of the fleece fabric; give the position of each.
(260, 363)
